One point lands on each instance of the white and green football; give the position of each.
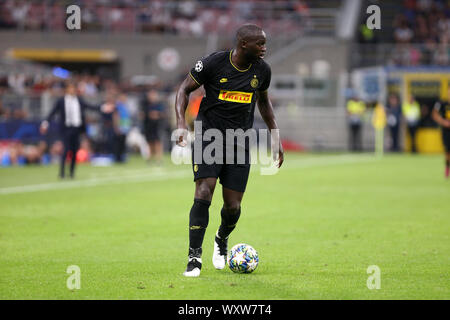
(243, 258)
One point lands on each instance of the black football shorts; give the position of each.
(446, 140)
(232, 176)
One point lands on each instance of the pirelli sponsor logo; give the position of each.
(236, 96)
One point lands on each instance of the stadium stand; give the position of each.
(311, 55)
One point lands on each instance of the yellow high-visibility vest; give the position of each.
(379, 117)
(356, 107)
(411, 111)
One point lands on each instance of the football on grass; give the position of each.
(243, 258)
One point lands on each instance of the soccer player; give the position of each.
(441, 114)
(233, 81)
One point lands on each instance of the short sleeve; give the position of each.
(437, 106)
(267, 77)
(201, 70)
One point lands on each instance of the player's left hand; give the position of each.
(280, 156)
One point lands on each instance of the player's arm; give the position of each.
(100, 108)
(43, 128)
(266, 110)
(181, 103)
(437, 116)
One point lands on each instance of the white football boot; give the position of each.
(219, 258)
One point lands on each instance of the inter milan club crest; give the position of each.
(254, 83)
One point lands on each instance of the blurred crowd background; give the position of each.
(330, 71)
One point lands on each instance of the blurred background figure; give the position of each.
(355, 111)
(108, 126)
(441, 114)
(394, 114)
(411, 112)
(408, 55)
(71, 111)
(122, 125)
(153, 113)
(379, 123)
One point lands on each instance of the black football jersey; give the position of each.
(230, 98)
(443, 108)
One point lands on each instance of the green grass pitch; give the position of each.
(317, 225)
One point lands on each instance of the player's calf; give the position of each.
(230, 217)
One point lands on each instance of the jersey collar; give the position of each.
(240, 70)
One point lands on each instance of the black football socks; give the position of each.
(229, 221)
(198, 221)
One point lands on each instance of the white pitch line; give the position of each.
(144, 175)
(95, 182)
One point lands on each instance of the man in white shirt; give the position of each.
(70, 109)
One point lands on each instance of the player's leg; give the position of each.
(446, 142)
(66, 143)
(234, 181)
(198, 221)
(74, 146)
(230, 213)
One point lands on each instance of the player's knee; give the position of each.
(203, 192)
(232, 207)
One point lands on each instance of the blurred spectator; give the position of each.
(56, 151)
(152, 114)
(411, 112)
(3, 112)
(355, 111)
(123, 125)
(108, 131)
(88, 85)
(18, 153)
(19, 13)
(394, 113)
(193, 17)
(71, 111)
(403, 33)
(421, 34)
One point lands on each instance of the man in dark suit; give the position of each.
(71, 111)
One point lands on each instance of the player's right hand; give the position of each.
(180, 136)
(446, 123)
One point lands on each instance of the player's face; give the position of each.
(256, 46)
